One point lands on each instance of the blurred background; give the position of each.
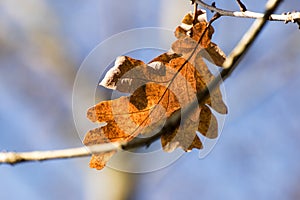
(42, 45)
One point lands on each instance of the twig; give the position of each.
(195, 13)
(241, 5)
(229, 65)
(14, 157)
(288, 17)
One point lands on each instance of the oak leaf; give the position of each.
(166, 84)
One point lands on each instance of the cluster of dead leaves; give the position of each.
(166, 84)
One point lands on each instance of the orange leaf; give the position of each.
(168, 83)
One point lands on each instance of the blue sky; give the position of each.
(43, 43)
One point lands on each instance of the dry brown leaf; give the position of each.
(168, 83)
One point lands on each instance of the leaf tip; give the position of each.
(110, 80)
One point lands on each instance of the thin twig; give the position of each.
(19, 157)
(241, 5)
(195, 13)
(229, 65)
(289, 17)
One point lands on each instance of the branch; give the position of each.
(14, 157)
(287, 17)
(229, 65)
